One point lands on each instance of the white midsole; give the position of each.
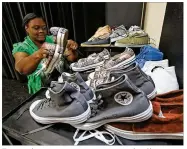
(152, 95)
(117, 38)
(87, 67)
(70, 120)
(142, 135)
(129, 45)
(137, 118)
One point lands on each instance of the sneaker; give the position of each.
(100, 38)
(121, 59)
(76, 78)
(91, 62)
(118, 33)
(61, 35)
(136, 36)
(48, 64)
(138, 77)
(164, 81)
(97, 42)
(118, 101)
(165, 123)
(101, 32)
(148, 53)
(135, 74)
(60, 108)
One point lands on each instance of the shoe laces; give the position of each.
(100, 135)
(95, 106)
(47, 102)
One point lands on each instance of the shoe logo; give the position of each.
(75, 86)
(123, 98)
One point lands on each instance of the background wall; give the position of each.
(171, 42)
(124, 13)
(154, 17)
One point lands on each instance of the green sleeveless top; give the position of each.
(27, 46)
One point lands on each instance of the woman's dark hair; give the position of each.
(29, 17)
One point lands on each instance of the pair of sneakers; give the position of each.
(55, 50)
(105, 60)
(67, 102)
(135, 36)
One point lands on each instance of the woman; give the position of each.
(29, 53)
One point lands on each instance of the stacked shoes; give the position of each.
(64, 97)
(122, 37)
(71, 93)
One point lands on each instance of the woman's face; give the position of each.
(37, 29)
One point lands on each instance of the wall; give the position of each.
(171, 42)
(125, 13)
(154, 17)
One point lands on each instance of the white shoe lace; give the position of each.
(94, 133)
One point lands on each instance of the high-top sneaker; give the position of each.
(138, 77)
(76, 78)
(135, 74)
(118, 101)
(66, 105)
(60, 35)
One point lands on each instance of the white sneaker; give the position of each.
(164, 81)
(149, 65)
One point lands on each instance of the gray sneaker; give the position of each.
(118, 33)
(61, 36)
(60, 108)
(135, 74)
(76, 78)
(138, 77)
(121, 59)
(91, 62)
(118, 101)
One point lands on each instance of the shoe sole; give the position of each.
(87, 67)
(50, 120)
(117, 38)
(142, 136)
(130, 60)
(61, 41)
(152, 94)
(98, 45)
(129, 45)
(137, 118)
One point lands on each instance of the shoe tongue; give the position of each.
(121, 27)
(56, 86)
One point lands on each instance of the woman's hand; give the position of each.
(41, 53)
(71, 45)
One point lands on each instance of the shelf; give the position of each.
(112, 46)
